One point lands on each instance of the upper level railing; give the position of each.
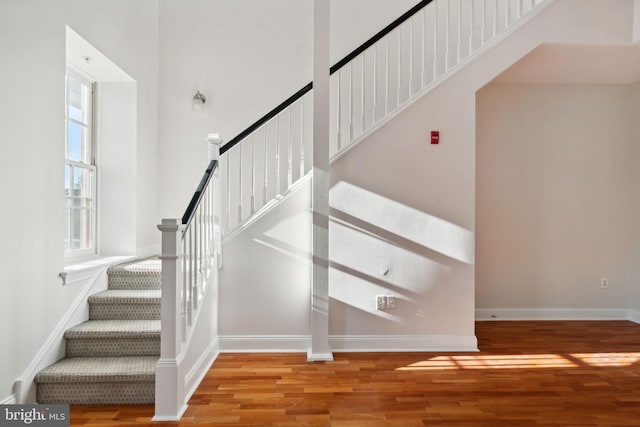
(368, 86)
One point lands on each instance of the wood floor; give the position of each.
(526, 374)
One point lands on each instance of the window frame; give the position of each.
(87, 164)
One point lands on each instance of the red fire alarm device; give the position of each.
(435, 137)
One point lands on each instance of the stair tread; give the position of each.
(126, 296)
(104, 369)
(115, 329)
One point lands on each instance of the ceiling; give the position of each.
(90, 61)
(571, 64)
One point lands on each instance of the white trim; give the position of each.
(634, 315)
(197, 373)
(11, 400)
(229, 235)
(53, 348)
(319, 357)
(402, 343)
(559, 313)
(346, 343)
(264, 343)
(89, 267)
(94, 275)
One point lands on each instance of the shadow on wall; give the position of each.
(380, 247)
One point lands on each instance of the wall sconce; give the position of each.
(198, 101)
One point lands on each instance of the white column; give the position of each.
(320, 199)
(169, 391)
(215, 142)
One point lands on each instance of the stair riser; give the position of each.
(124, 311)
(103, 393)
(112, 347)
(134, 281)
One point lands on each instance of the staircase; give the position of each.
(114, 357)
(111, 358)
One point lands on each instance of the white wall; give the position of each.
(634, 276)
(554, 195)
(403, 223)
(265, 287)
(398, 203)
(32, 153)
(246, 57)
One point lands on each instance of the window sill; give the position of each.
(84, 269)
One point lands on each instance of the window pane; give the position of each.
(78, 108)
(82, 183)
(67, 180)
(78, 143)
(67, 241)
(80, 228)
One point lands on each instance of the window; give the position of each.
(79, 168)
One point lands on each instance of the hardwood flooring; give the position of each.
(574, 374)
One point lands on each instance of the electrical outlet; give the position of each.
(604, 283)
(381, 302)
(391, 302)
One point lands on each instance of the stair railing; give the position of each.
(368, 86)
(384, 75)
(191, 257)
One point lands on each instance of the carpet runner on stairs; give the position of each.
(111, 358)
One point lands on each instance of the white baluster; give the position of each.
(494, 29)
(447, 30)
(386, 75)
(410, 91)
(240, 180)
(423, 43)
(471, 26)
(435, 40)
(253, 173)
(484, 23)
(290, 152)
(459, 31)
(519, 9)
(351, 101)
(228, 156)
(302, 137)
(277, 176)
(265, 190)
(399, 68)
(362, 96)
(374, 107)
(338, 76)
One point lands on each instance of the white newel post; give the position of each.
(214, 143)
(169, 388)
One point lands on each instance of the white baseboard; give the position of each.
(197, 373)
(634, 315)
(403, 343)
(264, 343)
(53, 348)
(552, 314)
(348, 343)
